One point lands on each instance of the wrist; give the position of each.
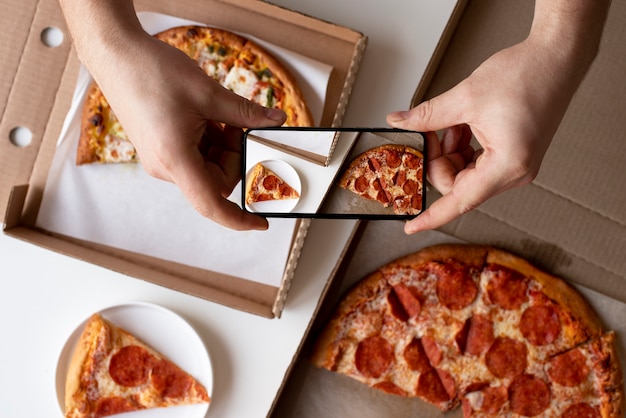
(569, 30)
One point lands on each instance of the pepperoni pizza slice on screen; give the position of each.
(389, 174)
(476, 328)
(262, 184)
(111, 372)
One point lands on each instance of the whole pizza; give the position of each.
(237, 63)
(476, 328)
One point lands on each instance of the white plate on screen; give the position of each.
(167, 333)
(291, 177)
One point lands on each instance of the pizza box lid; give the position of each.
(37, 97)
(570, 221)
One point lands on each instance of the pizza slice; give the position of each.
(262, 184)
(390, 174)
(112, 371)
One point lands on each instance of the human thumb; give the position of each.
(235, 110)
(437, 113)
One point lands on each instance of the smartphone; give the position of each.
(344, 173)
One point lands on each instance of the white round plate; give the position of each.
(164, 331)
(291, 177)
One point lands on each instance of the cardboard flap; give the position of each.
(571, 219)
(28, 100)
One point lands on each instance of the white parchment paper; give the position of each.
(121, 206)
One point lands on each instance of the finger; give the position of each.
(235, 110)
(455, 145)
(230, 164)
(437, 113)
(471, 188)
(203, 186)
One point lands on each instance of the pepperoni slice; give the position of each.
(271, 182)
(399, 178)
(381, 196)
(390, 387)
(416, 202)
(480, 335)
(395, 307)
(130, 366)
(361, 184)
(493, 399)
(569, 369)
(507, 288)
(410, 187)
(448, 382)
(412, 161)
(409, 298)
(374, 355)
(416, 357)
(540, 324)
(506, 358)
(581, 410)
(529, 395)
(430, 387)
(169, 380)
(476, 386)
(114, 405)
(374, 163)
(393, 159)
(433, 352)
(455, 287)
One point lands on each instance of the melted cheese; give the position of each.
(241, 81)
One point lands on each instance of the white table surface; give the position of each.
(44, 295)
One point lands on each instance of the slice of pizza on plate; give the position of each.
(263, 184)
(112, 371)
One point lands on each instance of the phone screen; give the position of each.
(363, 173)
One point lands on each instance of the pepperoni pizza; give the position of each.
(113, 372)
(476, 328)
(390, 174)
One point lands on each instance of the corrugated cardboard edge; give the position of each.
(290, 268)
(440, 50)
(330, 285)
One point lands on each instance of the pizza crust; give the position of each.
(609, 369)
(75, 398)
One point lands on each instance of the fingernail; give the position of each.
(398, 116)
(275, 114)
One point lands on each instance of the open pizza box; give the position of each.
(246, 271)
(571, 221)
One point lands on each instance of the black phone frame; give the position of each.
(333, 215)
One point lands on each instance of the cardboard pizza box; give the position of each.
(571, 221)
(37, 82)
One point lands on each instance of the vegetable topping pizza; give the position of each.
(237, 63)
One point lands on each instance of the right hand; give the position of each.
(173, 114)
